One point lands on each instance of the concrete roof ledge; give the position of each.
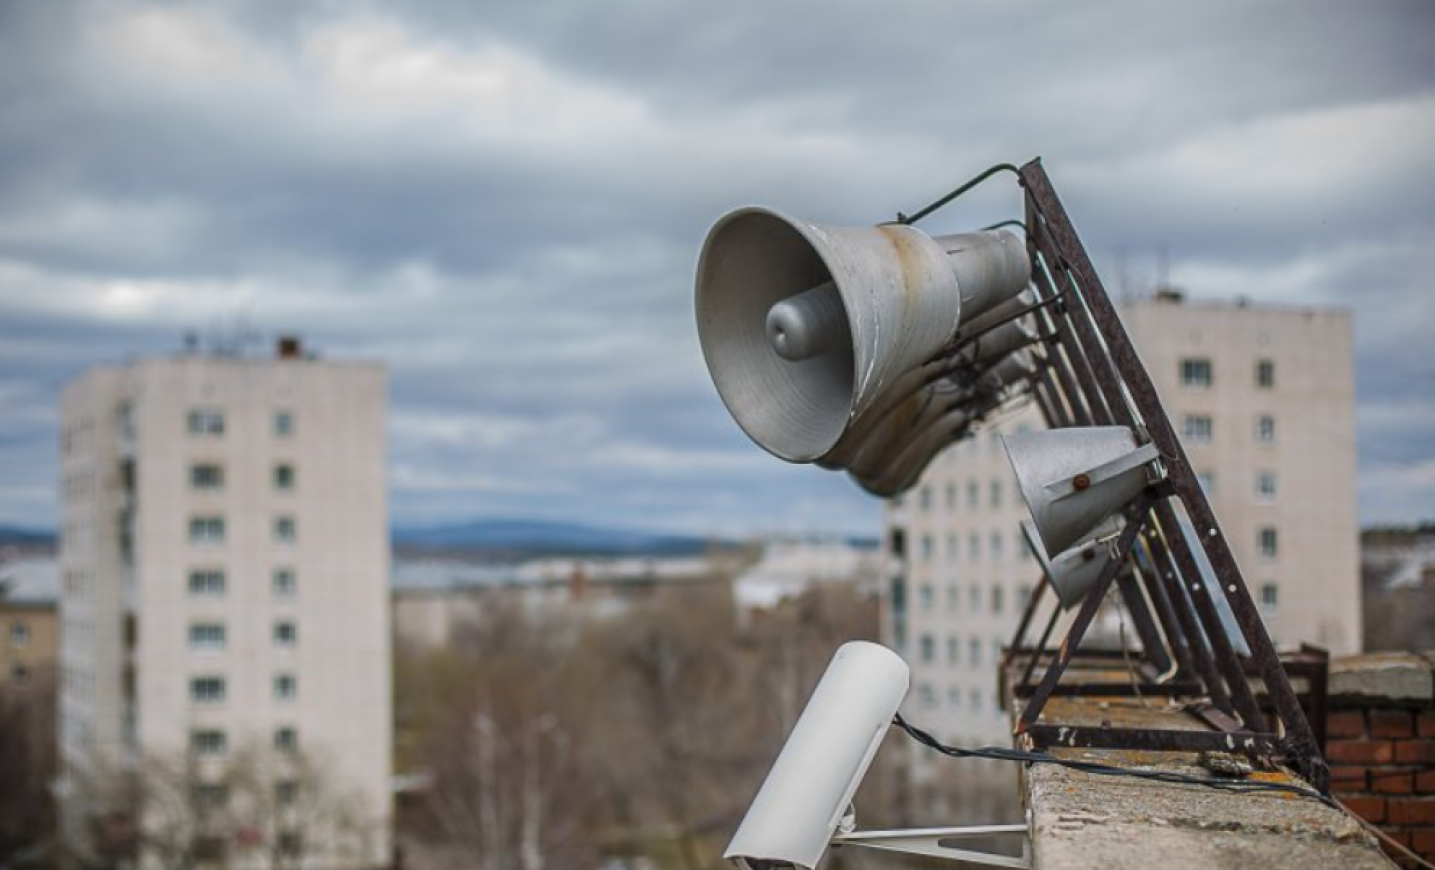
(1390, 676)
(1082, 821)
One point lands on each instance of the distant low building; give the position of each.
(788, 568)
(29, 621)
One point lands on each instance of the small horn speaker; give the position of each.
(1073, 574)
(1074, 478)
(804, 326)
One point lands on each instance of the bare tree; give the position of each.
(27, 764)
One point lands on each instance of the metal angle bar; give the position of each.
(1204, 662)
(1040, 649)
(1041, 198)
(1151, 642)
(1170, 622)
(1021, 627)
(1103, 410)
(1226, 659)
(1089, 606)
(936, 843)
(1157, 739)
(1173, 689)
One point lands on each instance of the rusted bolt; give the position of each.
(1088, 554)
(1081, 481)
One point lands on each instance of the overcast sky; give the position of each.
(504, 202)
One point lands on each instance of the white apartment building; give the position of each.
(1264, 401)
(225, 562)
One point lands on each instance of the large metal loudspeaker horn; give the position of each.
(1074, 479)
(1074, 573)
(804, 326)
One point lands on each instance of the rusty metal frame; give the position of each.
(1090, 375)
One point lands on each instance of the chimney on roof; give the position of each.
(289, 347)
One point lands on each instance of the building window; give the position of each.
(285, 585)
(996, 493)
(206, 581)
(994, 545)
(286, 687)
(284, 476)
(1266, 543)
(283, 423)
(206, 636)
(206, 421)
(286, 791)
(973, 495)
(286, 633)
(206, 475)
(1023, 595)
(897, 544)
(925, 498)
(975, 696)
(1266, 429)
(974, 651)
(929, 697)
(1207, 480)
(207, 690)
(974, 547)
(974, 598)
(953, 598)
(1265, 374)
(954, 697)
(924, 595)
(208, 741)
(1196, 372)
(206, 530)
(286, 739)
(996, 598)
(951, 496)
(19, 675)
(1266, 486)
(928, 646)
(19, 634)
(291, 844)
(1270, 596)
(1196, 429)
(951, 546)
(954, 650)
(211, 795)
(284, 529)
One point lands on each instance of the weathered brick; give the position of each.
(1361, 751)
(1423, 842)
(1347, 777)
(1392, 782)
(1391, 723)
(1425, 723)
(1411, 811)
(1425, 782)
(1345, 724)
(1372, 809)
(1416, 751)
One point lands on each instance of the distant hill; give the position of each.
(15, 536)
(518, 537)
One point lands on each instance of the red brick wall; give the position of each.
(1382, 766)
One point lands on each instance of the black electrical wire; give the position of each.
(1164, 776)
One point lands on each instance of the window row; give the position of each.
(1198, 372)
(211, 529)
(215, 741)
(213, 690)
(927, 650)
(1266, 484)
(927, 697)
(210, 422)
(994, 495)
(206, 582)
(213, 635)
(1199, 429)
(995, 547)
(210, 476)
(927, 597)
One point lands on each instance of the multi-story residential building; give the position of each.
(1264, 401)
(29, 622)
(225, 561)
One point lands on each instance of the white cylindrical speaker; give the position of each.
(810, 786)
